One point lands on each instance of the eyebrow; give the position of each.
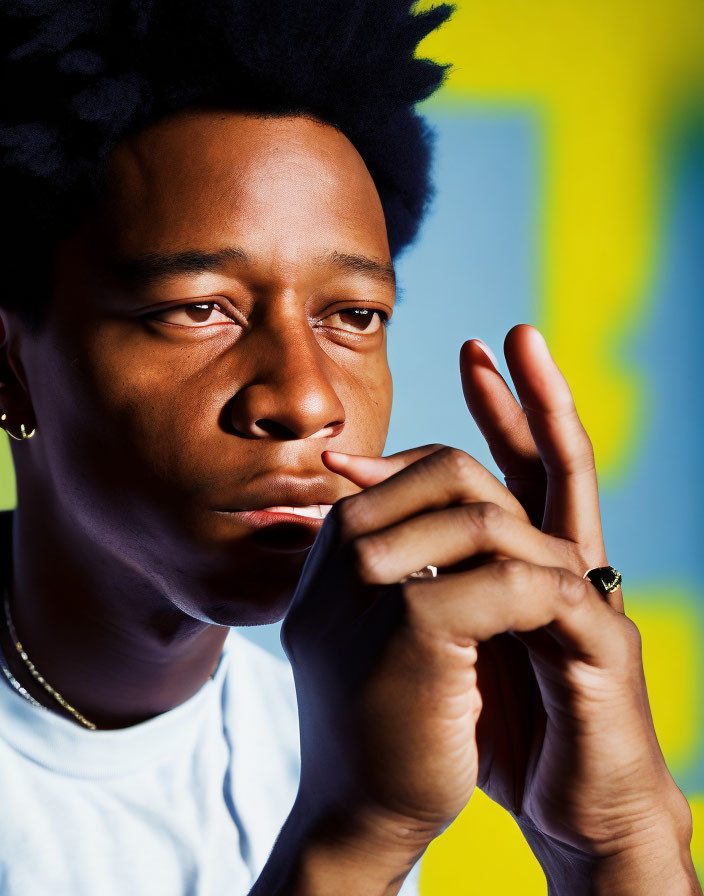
(360, 264)
(152, 267)
(144, 270)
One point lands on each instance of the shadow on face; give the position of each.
(217, 324)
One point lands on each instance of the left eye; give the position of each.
(194, 315)
(356, 320)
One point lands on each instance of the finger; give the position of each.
(366, 471)
(512, 595)
(433, 482)
(503, 424)
(572, 504)
(448, 537)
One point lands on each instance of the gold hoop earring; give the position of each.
(25, 434)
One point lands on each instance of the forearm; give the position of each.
(660, 865)
(326, 858)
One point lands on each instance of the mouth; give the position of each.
(302, 503)
(311, 511)
(308, 515)
(286, 528)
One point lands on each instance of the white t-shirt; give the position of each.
(188, 803)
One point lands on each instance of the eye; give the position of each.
(197, 314)
(356, 320)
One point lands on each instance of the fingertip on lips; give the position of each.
(334, 457)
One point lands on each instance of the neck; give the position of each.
(97, 630)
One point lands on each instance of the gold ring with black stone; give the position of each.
(605, 579)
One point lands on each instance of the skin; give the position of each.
(513, 673)
(422, 687)
(143, 428)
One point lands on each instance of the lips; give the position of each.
(312, 511)
(310, 517)
(283, 512)
(284, 528)
(299, 495)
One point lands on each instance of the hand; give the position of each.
(397, 674)
(593, 775)
(387, 705)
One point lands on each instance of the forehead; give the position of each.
(287, 186)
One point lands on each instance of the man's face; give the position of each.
(217, 324)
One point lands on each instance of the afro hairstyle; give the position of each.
(79, 76)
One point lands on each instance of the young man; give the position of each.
(206, 201)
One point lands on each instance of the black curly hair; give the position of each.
(78, 76)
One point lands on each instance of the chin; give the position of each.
(270, 604)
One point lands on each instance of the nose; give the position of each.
(290, 394)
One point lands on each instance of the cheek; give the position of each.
(117, 416)
(368, 409)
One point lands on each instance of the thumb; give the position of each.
(365, 470)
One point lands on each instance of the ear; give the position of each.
(15, 400)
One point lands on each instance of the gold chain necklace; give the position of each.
(36, 674)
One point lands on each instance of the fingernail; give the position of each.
(488, 352)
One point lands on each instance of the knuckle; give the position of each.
(515, 574)
(350, 514)
(628, 649)
(458, 463)
(632, 637)
(570, 587)
(368, 555)
(484, 515)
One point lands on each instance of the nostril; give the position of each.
(335, 428)
(274, 429)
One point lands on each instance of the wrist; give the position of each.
(655, 861)
(326, 853)
(659, 862)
